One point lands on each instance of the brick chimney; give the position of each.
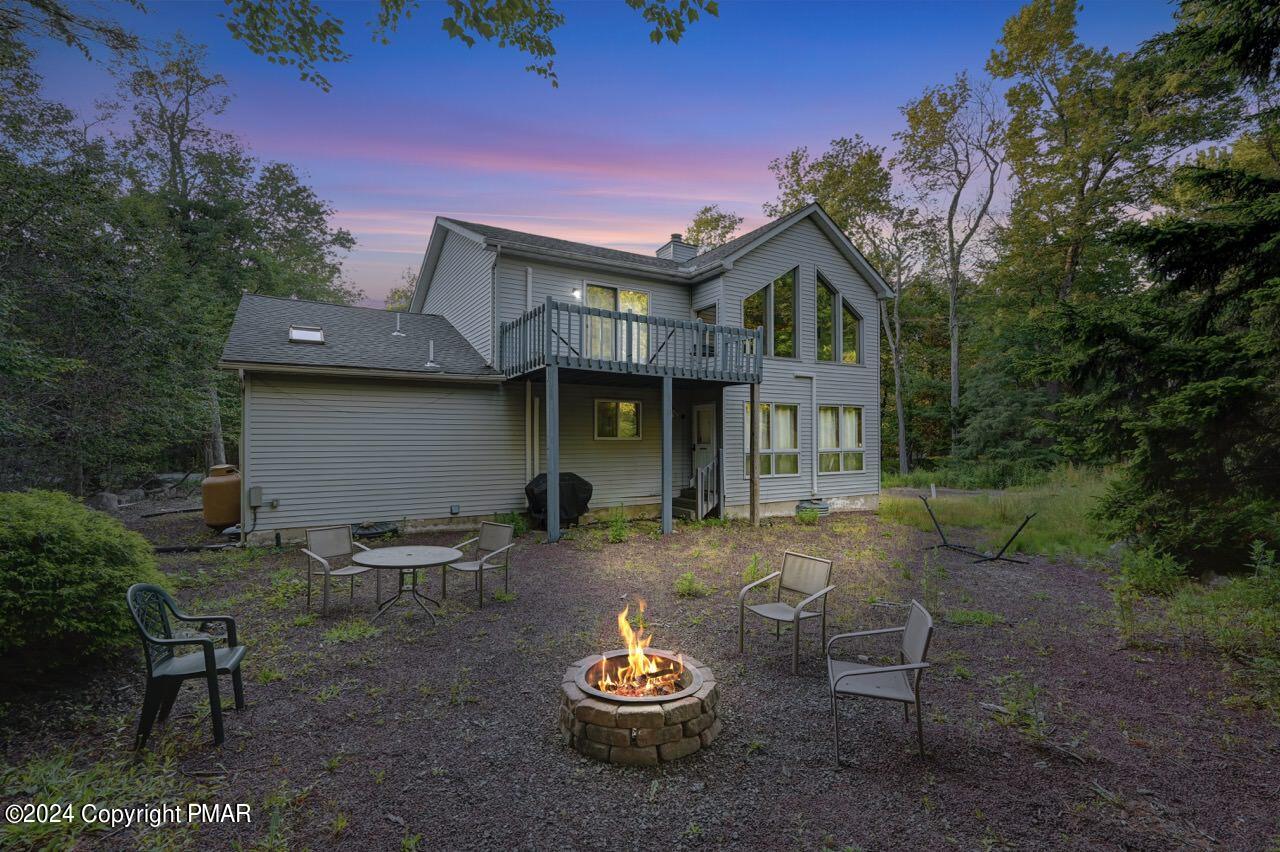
(678, 250)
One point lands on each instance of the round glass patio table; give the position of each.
(408, 560)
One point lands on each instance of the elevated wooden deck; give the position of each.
(576, 337)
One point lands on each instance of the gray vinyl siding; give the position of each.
(345, 451)
(461, 291)
(559, 282)
(805, 246)
(707, 293)
(627, 472)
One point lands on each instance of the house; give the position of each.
(524, 354)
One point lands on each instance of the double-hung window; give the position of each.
(840, 439)
(779, 439)
(617, 419)
(773, 308)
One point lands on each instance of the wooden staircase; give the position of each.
(685, 505)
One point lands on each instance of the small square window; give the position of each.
(617, 420)
(306, 334)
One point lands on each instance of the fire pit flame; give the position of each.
(643, 675)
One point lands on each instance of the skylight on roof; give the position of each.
(306, 334)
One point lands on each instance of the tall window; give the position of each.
(773, 308)
(826, 321)
(850, 331)
(840, 439)
(607, 338)
(617, 420)
(779, 439)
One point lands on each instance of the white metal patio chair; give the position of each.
(326, 545)
(492, 551)
(888, 683)
(800, 574)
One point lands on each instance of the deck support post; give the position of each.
(666, 454)
(553, 453)
(753, 418)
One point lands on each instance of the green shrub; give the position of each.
(64, 571)
(1263, 563)
(618, 526)
(807, 517)
(1151, 572)
(1239, 618)
(756, 569)
(519, 520)
(689, 586)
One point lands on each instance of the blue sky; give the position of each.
(636, 138)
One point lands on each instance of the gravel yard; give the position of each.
(1042, 730)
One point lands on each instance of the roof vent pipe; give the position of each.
(432, 366)
(397, 332)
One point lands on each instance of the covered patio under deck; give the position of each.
(560, 343)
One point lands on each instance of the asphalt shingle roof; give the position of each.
(359, 338)
(538, 241)
(713, 255)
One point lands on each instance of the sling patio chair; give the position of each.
(889, 683)
(492, 550)
(326, 545)
(152, 609)
(800, 574)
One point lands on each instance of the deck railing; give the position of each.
(567, 334)
(709, 482)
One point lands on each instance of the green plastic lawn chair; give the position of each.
(152, 609)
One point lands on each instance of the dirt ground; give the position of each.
(1042, 730)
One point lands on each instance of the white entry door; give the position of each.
(704, 435)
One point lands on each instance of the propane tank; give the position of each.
(221, 493)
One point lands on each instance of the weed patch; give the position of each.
(352, 630)
(72, 778)
(689, 586)
(519, 520)
(756, 570)
(974, 618)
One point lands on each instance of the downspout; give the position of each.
(493, 306)
(530, 445)
(813, 428)
(244, 474)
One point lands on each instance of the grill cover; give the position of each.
(575, 494)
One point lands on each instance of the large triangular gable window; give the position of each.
(839, 326)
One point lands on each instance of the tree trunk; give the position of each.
(954, 327)
(904, 466)
(216, 447)
(893, 333)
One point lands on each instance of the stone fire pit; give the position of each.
(640, 731)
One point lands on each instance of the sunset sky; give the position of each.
(636, 138)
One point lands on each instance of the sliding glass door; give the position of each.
(607, 338)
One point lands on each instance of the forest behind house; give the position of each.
(1083, 246)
